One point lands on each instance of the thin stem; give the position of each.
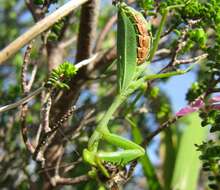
(86, 61)
(159, 31)
(158, 34)
(102, 126)
(38, 28)
(159, 129)
(39, 90)
(165, 75)
(22, 101)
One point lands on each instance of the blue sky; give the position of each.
(176, 87)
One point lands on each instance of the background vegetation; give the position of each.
(190, 36)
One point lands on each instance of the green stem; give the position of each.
(159, 31)
(102, 126)
(165, 75)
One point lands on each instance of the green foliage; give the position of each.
(42, 2)
(8, 18)
(149, 107)
(198, 36)
(147, 165)
(195, 91)
(126, 50)
(211, 118)
(39, 2)
(56, 31)
(60, 77)
(187, 164)
(147, 5)
(210, 156)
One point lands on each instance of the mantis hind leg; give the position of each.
(132, 150)
(120, 157)
(122, 142)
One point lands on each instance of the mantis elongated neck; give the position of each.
(102, 126)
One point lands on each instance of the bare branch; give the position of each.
(44, 141)
(86, 61)
(22, 101)
(26, 62)
(45, 112)
(71, 181)
(159, 129)
(67, 42)
(38, 28)
(35, 11)
(82, 124)
(191, 60)
(39, 90)
(26, 86)
(24, 130)
(87, 29)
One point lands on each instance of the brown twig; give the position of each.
(38, 28)
(26, 62)
(26, 86)
(22, 101)
(181, 43)
(35, 11)
(45, 112)
(77, 130)
(71, 166)
(24, 130)
(191, 60)
(159, 129)
(71, 181)
(66, 167)
(87, 29)
(103, 61)
(44, 141)
(67, 42)
(57, 168)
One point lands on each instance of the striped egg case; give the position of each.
(143, 37)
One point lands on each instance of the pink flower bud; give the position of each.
(193, 107)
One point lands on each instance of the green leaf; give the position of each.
(126, 50)
(39, 2)
(187, 166)
(147, 166)
(150, 173)
(169, 157)
(60, 77)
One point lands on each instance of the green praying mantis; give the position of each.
(133, 47)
